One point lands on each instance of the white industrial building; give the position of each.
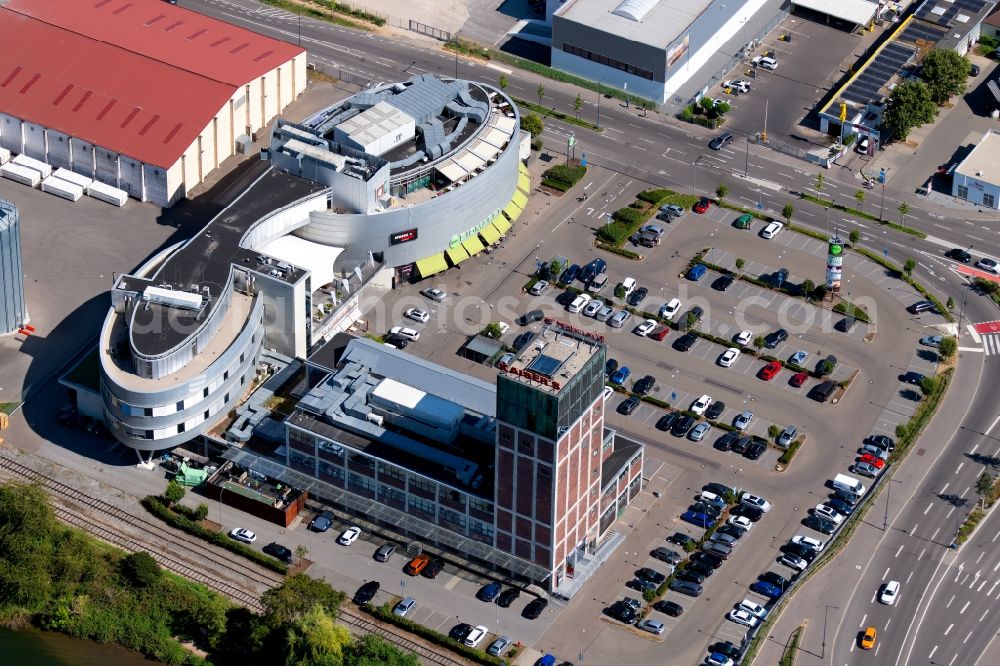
(977, 177)
(145, 96)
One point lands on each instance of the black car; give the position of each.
(778, 278)
(719, 142)
(690, 318)
(690, 576)
(840, 506)
(680, 539)
(652, 575)
(775, 338)
(682, 425)
(883, 442)
(610, 367)
(710, 559)
(569, 274)
(534, 609)
(710, 510)
(628, 405)
(521, 341)
(644, 385)
(845, 496)
(322, 522)
(685, 342)
(530, 317)
(731, 530)
(636, 296)
(701, 568)
(666, 422)
(726, 648)
(508, 596)
(640, 585)
(277, 550)
(432, 569)
(366, 592)
(920, 306)
(805, 552)
(592, 270)
(740, 445)
(821, 525)
(755, 450)
(773, 579)
(752, 513)
(460, 631)
(911, 377)
(670, 608)
(725, 443)
(717, 488)
(958, 254)
(821, 392)
(715, 410)
(623, 613)
(489, 592)
(664, 554)
(397, 341)
(686, 587)
(723, 282)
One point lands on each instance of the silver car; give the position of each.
(404, 606)
(499, 646)
(698, 432)
(538, 288)
(592, 308)
(866, 469)
(787, 436)
(619, 319)
(604, 313)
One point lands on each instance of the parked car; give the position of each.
(592, 270)
(283, 553)
(384, 552)
(667, 421)
(743, 420)
(405, 332)
(534, 608)
(623, 613)
(635, 298)
(476, 636)
(755, 450)
(539, 288)
(793, 562)
(721, 141)
(669, 608)
(620, 375)
(702, 205)
(715, 410)
(697, 272)
(702, 520)
(798, 379)
(751, 512)
(489, 592)
(644, 385)
(569, 275)
(686, 587)
(404, 606)
(460, 631)
(728, 357)
(723, 282)
(530, 317)
(366, 592)
(499, 646)
(771, 230)
(769, 371)
(821, 525)
(774, 579)
(664, 554)
(920, 306)
(417, 314)
(741, 616)
(435, 295)
(417, 565)
(243, 534)
(672, 211)
(698, 432)
(747, 499)
(931, 340)
(670, 310)
(682, 425)
(681, 539)
(798, 358)
(743, 338)
(349, 536)
(767, 589)
(787, 436)
(652, 626)
(866, 469)
(744, 221)
(764, 61)
(628, 405)
(322, 522)
(619, 319)
(685, 342)
(701, 404)
(646, 327)
(775, 338)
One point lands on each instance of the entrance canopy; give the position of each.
(858, 12)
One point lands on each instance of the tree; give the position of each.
(909, 266)
(690, 319)
(27, 531)
(296, 596)
(740, 263)
(904, 209)
(316, 640)
(721, 191)
(540, 91)
(504, 82)
(951, 303)
(787, 212)
(140, 569)
(854, 236)
(928, 385)
(555, 269)
(808, 286)
(492, 330)
(532, 124)
(824, 368)
(174, 493)
(372, 650)
(945, 72)
(860, 196)
(984, 487)
(819, 182)
(909, 106)
(773, 431)
(620, 291)
(301, 551)
(948, 347)
(577, 105)
(758, 342)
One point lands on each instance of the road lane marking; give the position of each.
(941, 492)
(948, 605)
(964, 607)
(900, 550)
(973, 450)
(886, 573)
(950, 512)
(967, 638)
(958, 469)
(953, 658)
(914, 530)
(929, 506)
(863, 620)
(995, 421)
(981, 586)
(995, 537)
(934, 536)
(911, 573)
(948, 630)
(985, 613)
(980, 557)
(933, 650)
(993, 587)
(922, 551)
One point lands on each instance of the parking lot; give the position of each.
(676, 469)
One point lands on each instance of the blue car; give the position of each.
(569, 274)
(799, 357)
(621, 374)
(489, 592)
(767, 589)
(698, 518)
(546, 660)
(592, 270)
(697, 272)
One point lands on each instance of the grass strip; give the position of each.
(550, 112)
(826, 203)
(331, 12)
(385, 614)
(788, 656)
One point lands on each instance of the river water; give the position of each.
(32, 647)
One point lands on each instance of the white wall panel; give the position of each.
(59, 149)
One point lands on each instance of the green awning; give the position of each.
(520, 198)
(457, 255)
(473, 245)
(489, 234)
(512, 211)
(501, 224)
(524, 183)
(435, 263)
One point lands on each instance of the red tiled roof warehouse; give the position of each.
(140, 94)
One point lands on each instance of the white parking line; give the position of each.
(985, 613)
(933, 650)
(964, 607)
(928, 508)
(959, 468)
(948, 605)
(948, 630)
(967, 638)
(886, 574)
(900, 550)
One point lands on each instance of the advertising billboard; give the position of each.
(834, 264)
(403, 237)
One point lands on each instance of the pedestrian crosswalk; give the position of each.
(991, 344)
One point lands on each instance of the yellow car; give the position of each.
(868, 638)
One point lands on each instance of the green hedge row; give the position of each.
(826, 203)
(790, 452)
(155, 506)
(555, 184)
(620, 251)
(559, 115)
(384, 613)
(565, 173)
(897, 272)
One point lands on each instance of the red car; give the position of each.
(874, 461)
(768, 372)
(798, 379)
(703, 205)
(659, 332)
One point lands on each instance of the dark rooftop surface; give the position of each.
(206, 259)
(624, 449)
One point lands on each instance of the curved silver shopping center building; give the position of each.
(398, 182)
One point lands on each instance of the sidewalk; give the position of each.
(827, 589)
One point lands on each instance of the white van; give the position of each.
(849, 484)
(628, 284)
(578, 303)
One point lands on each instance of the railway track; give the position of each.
(169, 550)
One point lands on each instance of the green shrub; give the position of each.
(648, 595)
(140, 569)
(654, 196)
(948, 347)
(628, 216)
(385, 614)
(565, 173)
(620, 251)
(790, 452)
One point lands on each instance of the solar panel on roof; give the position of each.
(545, 365)
(878, 73)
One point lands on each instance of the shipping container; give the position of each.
(41, 167)
(106, 193)
(73, 177)
(20, 174)
(62, 188)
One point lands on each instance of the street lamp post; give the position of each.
(300, 29)
(599, 87)
(826, 615)
(746, 165)
(222, 489)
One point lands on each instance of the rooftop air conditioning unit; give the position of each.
(377, 419)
